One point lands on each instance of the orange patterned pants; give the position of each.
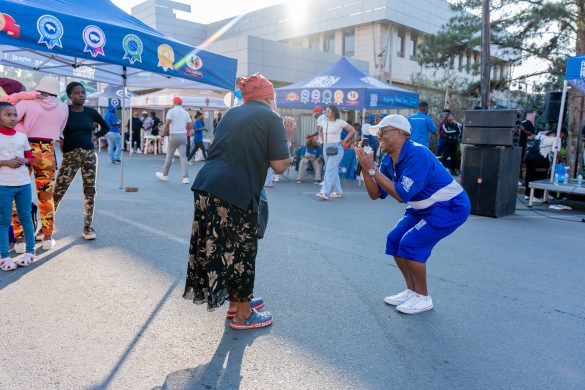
(44, 167)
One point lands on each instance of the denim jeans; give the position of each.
(22, 195)
(114, 145)
(331, 181)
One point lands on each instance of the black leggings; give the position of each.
(450, 156)
(196, 146)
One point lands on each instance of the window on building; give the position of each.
(314, 42)
(329, 43)
(460, 62)
(400, 44)
(452, 63)
(468, 63)
(412, 47)
(349, 43)
(296, 41)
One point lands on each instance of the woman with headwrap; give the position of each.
(222, 253)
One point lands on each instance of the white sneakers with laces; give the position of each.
(185, 180)
(162, 177)
(399, 298)
(416, 304)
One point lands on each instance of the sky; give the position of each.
(210, 11)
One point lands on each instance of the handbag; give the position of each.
(331, 150)
(262, 214)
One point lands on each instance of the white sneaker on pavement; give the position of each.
(20, 247)
(162, 177)
(416, 304)
(88, 233)
(49, 244)
(26, 260)
(185, 180)
(399, 298)
(336, 195)
(322, 195)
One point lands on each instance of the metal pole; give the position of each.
(557, 145)
(485, 55)
(123, 122)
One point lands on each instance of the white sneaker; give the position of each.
(138, 151)
(20, 247)
(185, 180)
(416, 304)
(26, 260)
(526, 197)
(88, 233)
(399, 298)
(162, 177)
(322, 195)
(336, 195)
(49, 244)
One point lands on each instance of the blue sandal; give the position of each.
(255, 304)
(256, 320)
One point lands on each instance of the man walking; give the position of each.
(177, 123)
(437, 205)
(422, 125)
(198, 130)
(114, 138)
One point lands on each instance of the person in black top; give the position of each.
(155, 123)
(451, 131)
(78, 153)
(222, 252)
(136, 128)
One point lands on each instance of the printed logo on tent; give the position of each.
(582, 73)
(316, 96)
(352, 97)
(51, 31)
(305, 94)
(166, 57)
(322, 82)
(194, 63)
(9, 26)
(373, 99)
(95, 40)
(133, 48)
(327, 96)
(292, 97)
(115, 102)
(338, 96)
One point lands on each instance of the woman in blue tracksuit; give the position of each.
(437, 205)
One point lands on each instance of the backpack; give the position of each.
(533, 145)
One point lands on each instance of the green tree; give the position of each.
(544, 30)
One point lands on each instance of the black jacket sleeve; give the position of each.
(97, 118)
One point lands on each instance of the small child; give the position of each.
(15, 156)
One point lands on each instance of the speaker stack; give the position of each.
(491, 161)
(552, 107)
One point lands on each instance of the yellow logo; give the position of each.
(338, 97)
(166, 57)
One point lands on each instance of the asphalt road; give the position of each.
(508, 294)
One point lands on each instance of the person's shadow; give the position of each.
(224, 369)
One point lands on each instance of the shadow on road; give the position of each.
(15, 275)
(224, 369)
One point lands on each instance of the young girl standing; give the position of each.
(15, 157)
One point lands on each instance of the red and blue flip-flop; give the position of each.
(256, 320)
(255, 304)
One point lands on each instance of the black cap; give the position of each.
(527, 125)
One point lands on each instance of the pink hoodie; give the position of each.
(42, 118)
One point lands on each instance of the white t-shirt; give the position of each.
(332, 130)
(547, 144)
(13, 146)
(180, 119)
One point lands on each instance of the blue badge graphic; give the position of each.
(51, 31)
(133, 48)
(95, 40)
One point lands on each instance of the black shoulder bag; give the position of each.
(331, 150)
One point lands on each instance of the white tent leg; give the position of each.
(123, 122)
(557, 145)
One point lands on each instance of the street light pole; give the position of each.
(485, 55)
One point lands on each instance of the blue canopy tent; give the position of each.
(574, 76)
(98, 41)
(346, 86)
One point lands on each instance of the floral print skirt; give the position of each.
(222, 253)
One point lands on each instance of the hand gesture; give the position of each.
(366, 160)
(13, 163)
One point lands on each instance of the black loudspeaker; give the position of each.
(552, 107)
(489, 175)
(491, 128)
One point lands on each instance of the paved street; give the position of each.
(508, 294)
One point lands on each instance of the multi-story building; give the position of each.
(292, 41)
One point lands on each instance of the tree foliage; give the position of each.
(545, 30)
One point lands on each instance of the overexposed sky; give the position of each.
(211, 10)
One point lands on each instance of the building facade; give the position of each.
(292, 41)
